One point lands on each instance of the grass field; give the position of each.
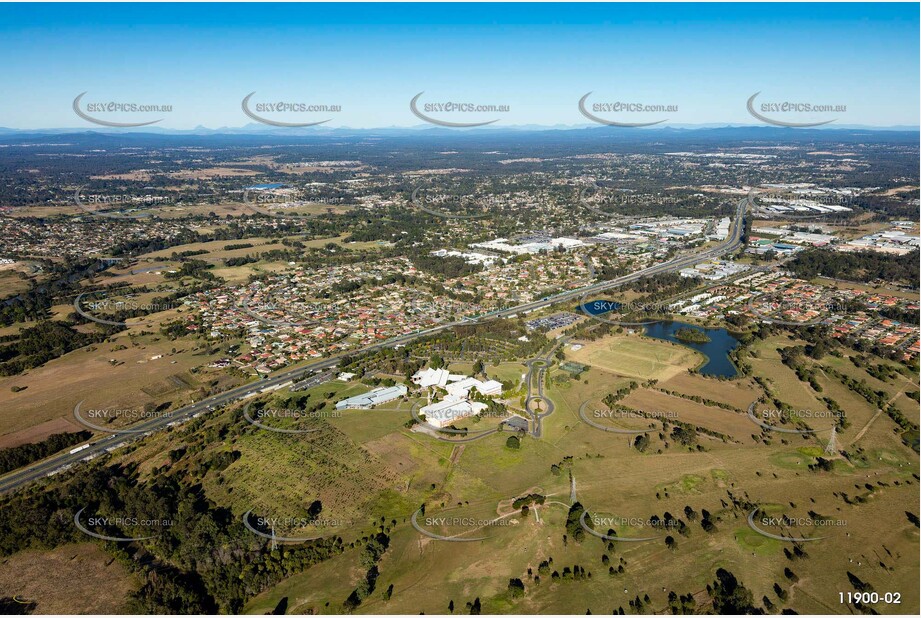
(71, 579)
(785, 383)
(366, 464)
(739, 393)
(116, 374)
(733, 424)
(636, 357)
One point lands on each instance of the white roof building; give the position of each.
(449, 410)
(431, 377)
(462, 388)
(375, 397)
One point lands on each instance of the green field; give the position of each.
(637, 357)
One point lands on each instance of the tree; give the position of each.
(515, 588)
(730, 596)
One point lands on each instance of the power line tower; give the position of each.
(274, 540)
(831, 448)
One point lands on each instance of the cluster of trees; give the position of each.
(196, 269)
(200, 560)
(447, 267)
(240, 261)
(24, 454)
(524, 502)
(729, 596)
(63, 278)
(41, 343)
(371, 554)
(864, 266)
(574, 528)
(792, 357)
(681, 604)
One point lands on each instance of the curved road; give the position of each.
(54, 463)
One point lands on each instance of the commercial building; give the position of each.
(449, 410)
(456, 404)
(455, 383)
(372, 398)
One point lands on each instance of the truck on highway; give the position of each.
(78, 449)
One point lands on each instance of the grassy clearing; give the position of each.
(637, 357)
(71, 579)
(739, 393)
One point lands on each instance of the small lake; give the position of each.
(716, 351)
(271, 185)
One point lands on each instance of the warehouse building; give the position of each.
(373, 398)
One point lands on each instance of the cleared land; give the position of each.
(72, 579)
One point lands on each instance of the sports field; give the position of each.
(637, 357)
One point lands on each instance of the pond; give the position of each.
(716, 350)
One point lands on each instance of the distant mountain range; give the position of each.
(259, 129)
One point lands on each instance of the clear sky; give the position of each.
(538, 59)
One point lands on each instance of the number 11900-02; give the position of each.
(893, 598)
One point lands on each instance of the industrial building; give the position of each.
(372, 398)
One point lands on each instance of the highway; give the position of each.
(33, 472)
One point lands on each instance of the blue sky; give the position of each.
(538, 59)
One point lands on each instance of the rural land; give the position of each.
(484, 372)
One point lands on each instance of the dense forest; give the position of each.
(24, 454)
(864, 267)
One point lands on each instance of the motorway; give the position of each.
(43, 468)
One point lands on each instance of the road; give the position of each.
(43, 468)
(541, 364)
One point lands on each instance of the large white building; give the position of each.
(456, 404)
(451, 409)
(455, 383)
(372, 398)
